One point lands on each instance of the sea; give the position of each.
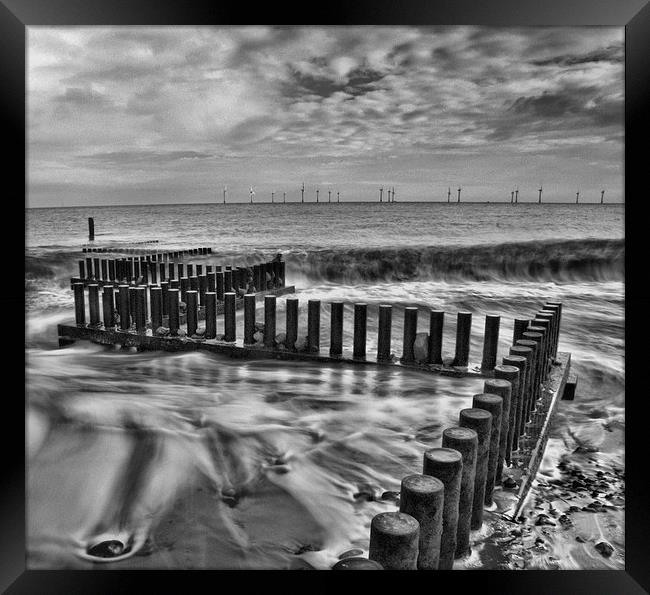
(195, 460)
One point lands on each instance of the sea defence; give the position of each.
(502, 436)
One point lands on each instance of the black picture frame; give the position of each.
(16, 15)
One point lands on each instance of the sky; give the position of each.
(148, 115)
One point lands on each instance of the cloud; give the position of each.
(138, 157)
(614, 54)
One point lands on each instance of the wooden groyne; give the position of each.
(497, 443)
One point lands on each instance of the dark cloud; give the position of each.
(358, 82)
(144, 156)
(612, 53)
(75, 96)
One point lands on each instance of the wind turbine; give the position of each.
(512, 197)
(224, 194)
(338, 196)
(517, 195)
(458, 194)
(252, 192)
(577, 196)
(449, 194)
(393, 193)
(317, 191)
(381, 193)
(302, 193)
(284, 197)
(272, 196)
(602, 195)
(329, 195)
(539, 200)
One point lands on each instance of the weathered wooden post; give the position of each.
(446, 464)
(212, 282)
(463, 331)
(511, 374)
(410, 330)
(124, 307)
(503, 389)
(132, 303)
(173, 296)
(93, 304)
(521, 324)
(283, 273)
(522, 408)
(199, 270)
(533, 384)
(229, 316)
(96, 269)
(155, 303)
(185, 287)
(421, 496)
(336, 329)
(490, 341)
(436, 322)
(313, 326)
(79, 304)
(220, 277)
(557, 306)
(537, 388)
(249, 319)
(394, 540)
(360, 325)
(494, 405)
(292, 322)
(89, 268)
(140, 311)
(465, 441)
(111, 270)
(164, 288)
(171, 267)
(161, 269)
(108, 307)
(519, 362)
(135, 263)
(545, 325)
(227, 279)
(194, 284)
(181, 270)
(210, 314)
(384, 333)
(91, 229)
(269, 320)
(192, 298)
(190, 270)
(203, 287)
(480, 421)
(104, 269)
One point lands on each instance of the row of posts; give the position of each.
(136, 250)
(439, 507)
(145, 271)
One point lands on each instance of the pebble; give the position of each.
(390, 496)
(350, 554)
(543, 519)
(604, 548)
(107, 549)
(162, 331)
(508, 482)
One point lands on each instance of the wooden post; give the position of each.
(229, 316)
(185, 286)
(543, 325)
(199, 270)
(124, 308)
(132, 303)
(108, 307)
(521, 324)
(212, 282)
(173, 296)
(538, 339)
(533, 383)
(360, 325)
(210, 314)
(220, 285)
(336, 329)
(490, 342)
(437, 319)
(227, 279)
(269, 320)
(410, 330)
(140, 311)
(558, 306)
(283, 273)
(89, 268)
(463, 331)
(313, 326)
(91, 229)
(164, 288)
(446, 464)
(494, 405)
(111, 270)
(203, 287)
(82, 269)
(384, 333)
(249, 319)
(501, 388)
(93, 304)
(292, 323)
(550, 316)
(465, 441)
(522, 408)
(192, 297)
(104, 269)
(96, 269)
(170, 268)
(156, 308)
(511, 374)
(190, 270)
(79, 304)
(480, 421)
(194, 284)
(181, 270)
(394, 540)
(516, 406)
(161, 269)
(421, 496)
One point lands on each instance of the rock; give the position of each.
(108, 549)
(200, 331)
(181, 333)
(259, 337)
(604, 548)
(350, 554)
(280, 338)
(364, 495)
(421, 347)
(306, 548)
(357, 563)
(182, 307)
(162, 331)
(508, 482)
(393, 496)
(565, 520)
(580, 539)
(543, 519)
